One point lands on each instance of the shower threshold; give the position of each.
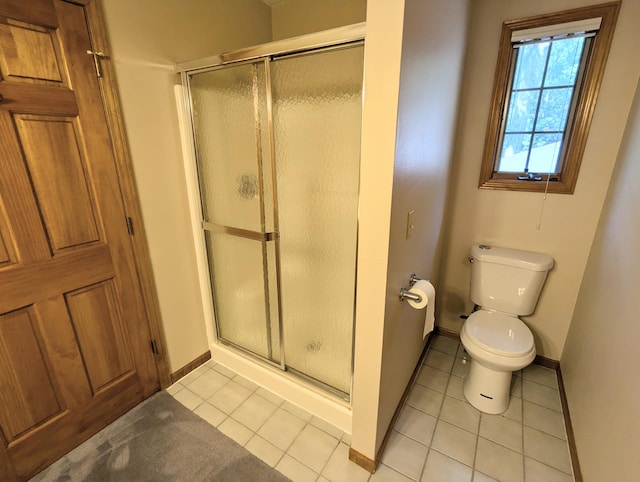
(330, 406)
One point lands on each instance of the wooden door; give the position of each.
(74, 338)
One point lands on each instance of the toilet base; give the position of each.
(487, 389)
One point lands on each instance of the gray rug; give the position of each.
(160, 440)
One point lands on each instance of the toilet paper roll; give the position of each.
(427, 293)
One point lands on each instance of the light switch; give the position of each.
(410, 224)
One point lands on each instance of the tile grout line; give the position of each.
(524, 469)
(477, 442)
(477, 433)
(286, 452)
(430, 448)
(327, 462)
(475, 450)
(255, 432)
(466, 360)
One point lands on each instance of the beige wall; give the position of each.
(406, 157)
(599, 360)
(510, 218)
(147, 37)
(298, 17)
(379, 121)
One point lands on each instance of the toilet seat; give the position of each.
(498, 333)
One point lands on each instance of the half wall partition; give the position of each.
(277, 148)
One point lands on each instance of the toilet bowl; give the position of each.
(498, 345)
(505, 284)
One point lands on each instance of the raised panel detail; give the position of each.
(7, 253)
(97, 320)
(28, 53)
(27, 396)
(59, 180)
(4, 253)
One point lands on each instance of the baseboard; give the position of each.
(189, 367)
(543, 361)
(539, 360)
(571, 440)
(447, 333)
(364, 461)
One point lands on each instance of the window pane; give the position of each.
(522, 111)
(530, 67)
(545, 150)
(564, 62)
(554, 108)
(513, 157)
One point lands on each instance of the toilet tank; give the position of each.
(507, 280)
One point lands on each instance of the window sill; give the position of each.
(556, 187)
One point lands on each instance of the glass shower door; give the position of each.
(228, 109)
(283, 265)
(317, 109)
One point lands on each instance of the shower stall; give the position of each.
(276, 136)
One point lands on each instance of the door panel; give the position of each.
(28, 238)
(95, 314)
(33, 399)
(52, 153)
(39, 12)
(74, 338)
(28, 53)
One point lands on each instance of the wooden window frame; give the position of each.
(577, 128)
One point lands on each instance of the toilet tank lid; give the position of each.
(512, 257)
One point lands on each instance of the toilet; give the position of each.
(505, 284)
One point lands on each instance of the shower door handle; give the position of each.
(241, 233)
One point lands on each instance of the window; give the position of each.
(547, 81)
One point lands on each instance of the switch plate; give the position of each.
(410, 225)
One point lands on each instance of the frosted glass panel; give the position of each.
(239, 292)
(231, 134)
(317, 101)
(227, 119)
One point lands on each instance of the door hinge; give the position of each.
(97, 56)
(154, 347)
(130, 225)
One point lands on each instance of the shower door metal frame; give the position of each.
(326, 38)
(342, 37)
(262, 236)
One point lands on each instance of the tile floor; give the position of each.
(438, 436)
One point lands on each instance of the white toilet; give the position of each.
(505, 284)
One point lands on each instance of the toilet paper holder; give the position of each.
(405, 294)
